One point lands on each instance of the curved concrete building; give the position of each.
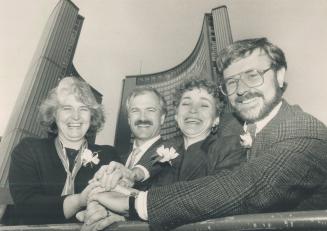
(51, 62)
(215, 35)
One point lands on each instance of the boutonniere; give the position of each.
(246, 140)
(89, 157)
(165, 154)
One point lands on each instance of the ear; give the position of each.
(215, 122)
(162, 119)
(129, 122)
(281, 77)
(175, 117)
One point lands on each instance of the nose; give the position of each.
(142, 115)
(76, 115)
(242, 88)
(194, 108)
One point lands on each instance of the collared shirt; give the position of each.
(143, 148)
(142, 199)
(262, 123)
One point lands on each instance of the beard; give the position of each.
(260, 111)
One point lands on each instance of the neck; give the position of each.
(140, 142)
(188, 141)
(71, 144)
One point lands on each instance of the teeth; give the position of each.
(74, 125)
(192, 120)
(249, 100)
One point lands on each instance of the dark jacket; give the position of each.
(37, 178)
(207, 157)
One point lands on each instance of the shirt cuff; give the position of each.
(145, 171)
(141, 205)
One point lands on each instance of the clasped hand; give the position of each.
(112, 193)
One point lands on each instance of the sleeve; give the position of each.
(145, 172)
(31, 204)
(153, 169)
(277, 180)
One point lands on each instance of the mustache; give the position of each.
(247, 96)
(143, 122)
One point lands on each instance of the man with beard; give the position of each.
(286, 166)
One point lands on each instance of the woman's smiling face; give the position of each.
(196, 112)
(72, 118)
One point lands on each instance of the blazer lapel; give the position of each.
(147, 156)
(269, 133)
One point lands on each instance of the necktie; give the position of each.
(251, 128)
(133, 155)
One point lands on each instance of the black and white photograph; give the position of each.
(163, 115)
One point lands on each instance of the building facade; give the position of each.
(53, 60)
(201, 63)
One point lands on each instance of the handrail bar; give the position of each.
(299, 221)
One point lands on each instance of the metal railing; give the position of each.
(299, 221)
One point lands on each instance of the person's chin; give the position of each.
(249, 115)
(76, 136)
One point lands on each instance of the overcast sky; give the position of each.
(126, 37)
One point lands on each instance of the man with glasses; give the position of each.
(286, 168)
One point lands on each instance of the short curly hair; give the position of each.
(196, 83)
(81, 90)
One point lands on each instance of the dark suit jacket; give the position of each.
(218, 152)
(154, 170)
(287, 170)
(37, 178)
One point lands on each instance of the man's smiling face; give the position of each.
(145, 116)
(254, 103)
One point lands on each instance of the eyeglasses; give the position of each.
(251, 78)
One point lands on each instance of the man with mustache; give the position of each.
(146, 113)
(286, 168)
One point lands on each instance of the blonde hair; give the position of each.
(82, 92)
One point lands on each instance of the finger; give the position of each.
(93, 185)
(120, 175)
(89, 188)
(113, 179)
(103, 180)
(80, 216)
(125, 190)
(85, 193)
(94, 207)
(126, 183)
(112, 218)
(113, 165)
(98, 175)
(94, 191)
(96, 216)
(88, 227)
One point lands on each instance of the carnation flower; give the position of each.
(246, 140)
(166, 154)
(88, 157)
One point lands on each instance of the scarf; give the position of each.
(69, 187)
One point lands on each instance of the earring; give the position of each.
(214, 129)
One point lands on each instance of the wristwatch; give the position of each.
(132, 210)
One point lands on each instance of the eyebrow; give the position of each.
(202, 98)
(206, 99)
(248, 70)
